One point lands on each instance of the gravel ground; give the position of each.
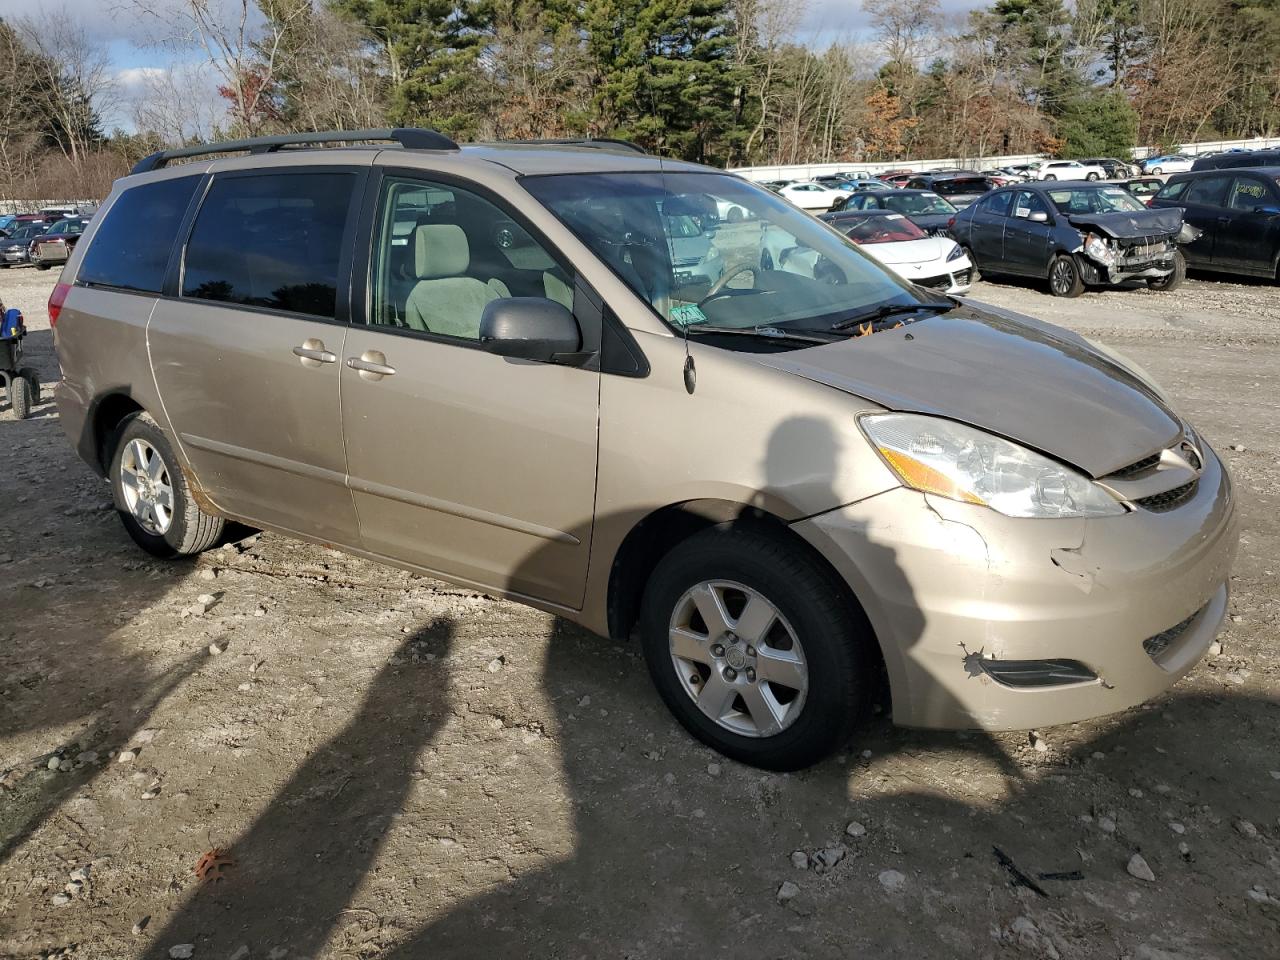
(363, 763)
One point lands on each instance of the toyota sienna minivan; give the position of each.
(657, 400)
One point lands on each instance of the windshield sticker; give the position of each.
(687, 314)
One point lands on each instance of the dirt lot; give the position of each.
(393, 767)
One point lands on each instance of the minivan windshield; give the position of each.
(713, 249)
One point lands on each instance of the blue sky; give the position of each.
(133, 53)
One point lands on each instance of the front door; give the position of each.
(1026, 241)
(245, 358)
(986, 229)
(468, 464)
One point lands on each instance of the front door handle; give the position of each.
(312, 353)
(371, 365)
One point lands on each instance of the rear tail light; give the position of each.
(56, 299)
(951, 223)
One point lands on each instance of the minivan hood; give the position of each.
(1042, 386)
(1130, 226)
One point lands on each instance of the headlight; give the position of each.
(956, 252)
(963, 463)
(1099, 249)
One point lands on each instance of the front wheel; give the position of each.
(152, 495)
(756, 648)
(1174, 279)
(1064, 277)
(974, 273)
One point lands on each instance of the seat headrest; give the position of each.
(440, 250)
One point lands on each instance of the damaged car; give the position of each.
(789, 475)
(1074, 235)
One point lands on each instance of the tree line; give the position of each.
(719, 81)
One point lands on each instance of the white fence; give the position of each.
(34, 206)
(807, 171)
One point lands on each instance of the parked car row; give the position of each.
(43, 239)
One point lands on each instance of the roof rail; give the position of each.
(598, 143)
(411, 138)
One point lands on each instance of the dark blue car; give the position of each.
(1073, 234)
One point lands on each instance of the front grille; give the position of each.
(1133, 469)
(1146, 248)
(1160, 502)
(936, 283)
(1158, 644)
(961, 277)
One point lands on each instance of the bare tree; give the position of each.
(74, 78)
(174, 104)
(774, 24)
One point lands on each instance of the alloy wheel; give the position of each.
(146, 486)
(1062, 276)
(738, 658)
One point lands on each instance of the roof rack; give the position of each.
(411, 138)
(598, 143)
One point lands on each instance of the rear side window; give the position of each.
(270, 241)
(1171, 191)
(131, 248)
(1209, 191)
(997, 204)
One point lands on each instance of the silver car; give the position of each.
(723, 431)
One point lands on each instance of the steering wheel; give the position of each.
(736, 270)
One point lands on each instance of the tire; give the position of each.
(1157, 171)
(1064, 276)
(20, 396)
(1091, 177)
(42, 266)
(813, 618)
(1173, 280)
(33, 378)
(974, 273)
(1051, 176)
(189, 529)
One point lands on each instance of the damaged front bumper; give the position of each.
(1107, 261)
(1006, 623)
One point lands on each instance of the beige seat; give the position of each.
(445, 300)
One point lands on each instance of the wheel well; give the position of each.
(108, 414)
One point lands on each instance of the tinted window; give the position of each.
(1171, 191)
(1207, 190)
(1029, 203)
(131, 248)
(270, 241)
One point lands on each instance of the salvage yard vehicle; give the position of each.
(787, 487)
(1144, 188)
(811, 195)
(1238, 212)
(958, 189)
(15, 249)
(54, 245)
(935, 262)
(1231, 159)
(1070, 170)
(1166, 163)
(1073, 235)
(924, 208)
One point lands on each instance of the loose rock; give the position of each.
(127, 756)
(217, 647)
(892, 880)
(830, 856)
(800, 860)
(788, 891)
(1038, 743)
(141, 925)
(1138, 868)
(1246, 829)
(855, 829)
(182, 951)
(713, 769)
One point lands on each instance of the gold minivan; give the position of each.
(657, 400)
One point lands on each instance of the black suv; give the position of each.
(1244, 158)
(1239, 212)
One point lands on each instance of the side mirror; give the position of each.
(530, 328)
(1038, 216)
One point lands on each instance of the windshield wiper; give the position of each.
(763, 332)
(887, 310)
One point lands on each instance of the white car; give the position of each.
(1069, 170)
(1168, 163)
(808, 195)
(936, 262)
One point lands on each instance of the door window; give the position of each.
(1029, 203)
(1248, 194)
(444, 253)
(272, 241)
(1208, 191)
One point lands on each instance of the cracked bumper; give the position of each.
(941, 580)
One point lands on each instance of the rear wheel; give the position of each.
(1064, 277)
(753, 646)
(20, 396)
(33, 378)
(1050, 176)
(1091, 176)
(152, 495)
(1157, 170)
(1173, 280)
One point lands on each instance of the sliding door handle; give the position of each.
(371, 365)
